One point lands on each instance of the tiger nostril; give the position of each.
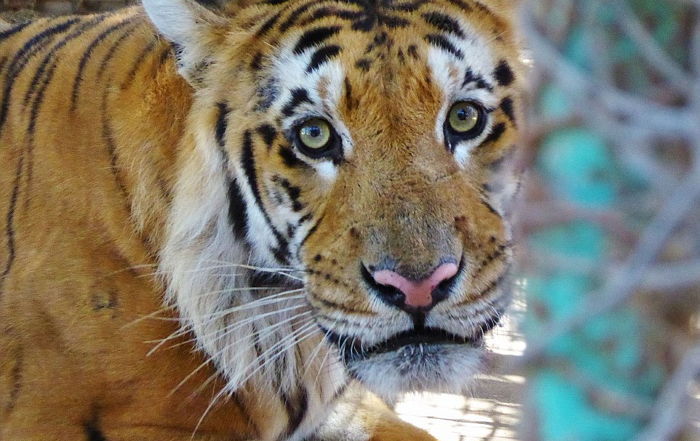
(409, 294)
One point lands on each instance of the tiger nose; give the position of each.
(417, 294)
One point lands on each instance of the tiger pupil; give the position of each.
(313, 131)
(463, 114)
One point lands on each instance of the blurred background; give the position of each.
(603, 340)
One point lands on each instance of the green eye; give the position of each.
(464, 117)
(315, 134)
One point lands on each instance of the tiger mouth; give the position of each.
(353, 349)
(427, 336)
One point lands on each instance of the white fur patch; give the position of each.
(449, 72)
(290, 69)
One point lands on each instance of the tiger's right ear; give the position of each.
(194, 31)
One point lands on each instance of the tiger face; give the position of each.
(364, 147)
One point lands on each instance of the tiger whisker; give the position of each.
(213, 356)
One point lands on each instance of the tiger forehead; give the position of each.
(388, 20)
(363, 15)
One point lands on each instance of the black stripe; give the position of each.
(321, 56)
(9, 228)
(299, 96)
(364, 64)
(34, 114)
(237, 211)
(294, 15)
(461, 4)
(349, 101)
(17, 377)
(108, 138)
(20, 60)
(481, 83)
(93, 433)
(248, 163)
(443, 43)
(504, 74)
(312, 230)
(494, 212)
(265, 28)
(137, 63)
(221, 124)
(86, 57)
(113, 49)
(13, 30)
(315, 37)
(330, 11)
(293, 192)
(289, 158)
(443, 22)
(41, 70)
(296, 411)
(507, 108)
(498, 131)
(268, 134)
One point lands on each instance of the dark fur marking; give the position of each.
(364, 64)
(350, 102)
(101, 301)
(221, 123)
(461, 4)
(256, 62)
(498, 131)
(504, 74)
(113, 49)
(51, 55)
(443, 22)
(267, 94)
(296, 410)
(481, 83)
(329, 11)
(13, 30)
(293, 192)
(413, 51)
(265, 28)
(137, 64)
(16, 376)
(322, 55)
(108, 138)
(237, 211)
(294, 16)
(9, 229)
(299, 96)
(22, 57)
(507, 108)
(248, 161)
(268, 134)
(315, 37)
(443, 43)
(289, 158)
(86, 57)
(93, 433)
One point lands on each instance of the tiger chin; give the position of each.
(250, 219)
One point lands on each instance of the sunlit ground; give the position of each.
(492, 410)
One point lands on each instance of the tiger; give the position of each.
(252, 219)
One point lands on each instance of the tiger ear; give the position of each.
(193, 30)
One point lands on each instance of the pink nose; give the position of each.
(417, 294)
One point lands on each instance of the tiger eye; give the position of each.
(315, 134)
(464, 116)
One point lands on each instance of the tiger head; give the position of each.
(363, 148)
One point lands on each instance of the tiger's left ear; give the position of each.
(194, 31)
